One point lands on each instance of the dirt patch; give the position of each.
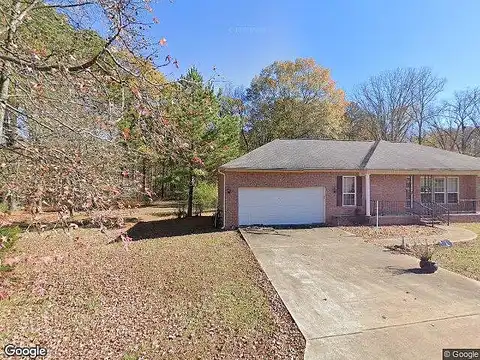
(410, 232)
(177, 297)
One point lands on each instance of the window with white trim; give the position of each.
(452, 190)
(439, 190)
(349, 190)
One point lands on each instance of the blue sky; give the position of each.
(354, 39)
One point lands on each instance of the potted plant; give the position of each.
(425, 254)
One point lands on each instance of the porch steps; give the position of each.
(429, 221)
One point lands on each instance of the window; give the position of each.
(439, 190)
(452, 190)
(349, 187)
(426, 189)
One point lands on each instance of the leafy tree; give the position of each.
(294, 99)
(207, 138)
(64, 89)
(233, 102)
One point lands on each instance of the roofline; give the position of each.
(422, 171)
(361, 171)
(287, 170)
(363, 165)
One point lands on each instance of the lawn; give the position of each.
(198, 296)
(463, 258)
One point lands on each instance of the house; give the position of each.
(333, 182)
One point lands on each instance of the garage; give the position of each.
(281, 206)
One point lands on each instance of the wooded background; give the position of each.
(89, 121)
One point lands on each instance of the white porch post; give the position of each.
(367, 194)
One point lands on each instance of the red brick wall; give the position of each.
(387, 187)
(394, 220)
(464, 218)
(235, 180)
(478, 187)
(468, 187)
(383, 187)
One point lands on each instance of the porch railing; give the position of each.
(433, 211)
(387, 207)
(430, 211)
(465, 206)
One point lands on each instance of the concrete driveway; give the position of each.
(353, 300)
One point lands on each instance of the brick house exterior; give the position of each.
(387, 186)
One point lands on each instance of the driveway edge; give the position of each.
(240, 231)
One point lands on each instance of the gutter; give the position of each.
(224, 198)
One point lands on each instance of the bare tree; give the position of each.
(458, 126)
(386, 99)
(358, 124)
(425, 108)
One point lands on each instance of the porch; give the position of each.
(403, 212)
(407, 199)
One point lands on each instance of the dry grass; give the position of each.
(410, 232)
(463, 258)
(178, 297)
(145, 213)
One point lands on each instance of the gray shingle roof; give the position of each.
(409, 156)
(303, 155)
(351, 155)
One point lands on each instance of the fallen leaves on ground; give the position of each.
(394, 231)
(180, 297)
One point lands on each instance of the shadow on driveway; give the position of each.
(400, 271)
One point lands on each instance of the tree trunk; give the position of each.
(4, 87)
(190, 195)
(463, 146)
(245, 140)
(144, 171)
(11, 203)
(39, 206)
(162, 189)
(6, 71)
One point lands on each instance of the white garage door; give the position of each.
(281, 206)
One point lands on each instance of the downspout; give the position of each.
(224, 199)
